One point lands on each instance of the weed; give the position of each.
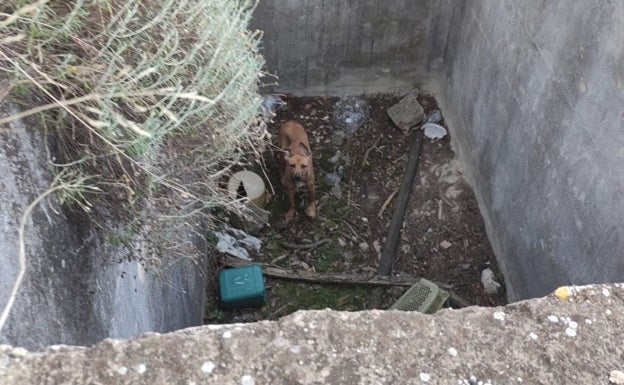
(146, 101)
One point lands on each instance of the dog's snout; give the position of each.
(297, 176)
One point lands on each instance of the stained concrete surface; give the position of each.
(74, 292)
(532, 93)
(329, 47)
(552, 340)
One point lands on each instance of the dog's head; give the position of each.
(298, 163)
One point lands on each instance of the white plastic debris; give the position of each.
(334, 178)
(271, 103)
(489, 283)
(237, 243)
(349, 114)
(434, 117)
(434, 131)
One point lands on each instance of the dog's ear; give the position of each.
(287, 153)
(305, 149)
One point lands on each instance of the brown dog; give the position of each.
(296, 172)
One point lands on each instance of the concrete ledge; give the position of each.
(550, 340)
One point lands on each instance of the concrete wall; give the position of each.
(350, 46)
(532, 92)
(75, 291)
(535, 90)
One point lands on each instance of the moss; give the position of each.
(315, 297)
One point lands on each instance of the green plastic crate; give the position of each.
(425, 297)
(242, 287)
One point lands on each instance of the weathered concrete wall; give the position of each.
(542, 341)
(533, 95)
(347, 47)
(72, 292)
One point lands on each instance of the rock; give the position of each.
(333, 178)
(338, 138)
(445, 244)
(407, 113)
(253, 221)
(616, 377)
(335, 158)
(377, 246)
(336, 192)
(364, 246)
(489, 283)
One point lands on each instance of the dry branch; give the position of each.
(333, 279)
(305, 246)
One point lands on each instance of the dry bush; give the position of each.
(147, 102)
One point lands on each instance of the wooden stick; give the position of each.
(305, 246)
(313, 277)
(368, 151)
(386, 203)
(335, 279)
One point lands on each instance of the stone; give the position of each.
(253, 221)
(336, 192)
(616, 377)
(407, 113)
(338, 138)
(445, 244)
(489, 283)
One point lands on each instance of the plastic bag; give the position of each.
(350, 114)
(270, 104)
(434, 117)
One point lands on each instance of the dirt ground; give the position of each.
(443, 237)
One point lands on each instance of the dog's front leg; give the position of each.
(311, 208)
(290, 214)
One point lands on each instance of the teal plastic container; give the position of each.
(242, 287)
